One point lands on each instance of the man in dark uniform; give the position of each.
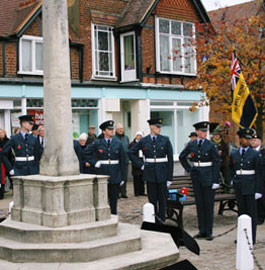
(256, 145)
(246, 177)
(108, 157)
(24, 146)
(158, 165)
(204, 175)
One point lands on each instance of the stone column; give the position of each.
(59, 157)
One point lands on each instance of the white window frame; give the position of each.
(127, 75)
(182, 37)
(33, 40)
(94, 75)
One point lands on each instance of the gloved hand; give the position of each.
(11, 172)
(169, 183)
(215, 186)
(121, 183)
(258, 196)
(142, 168)
(98, 164)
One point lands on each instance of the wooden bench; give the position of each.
(227, 201)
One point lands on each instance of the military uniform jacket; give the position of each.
(208, 152)
(99, 150)
(154, 172)
(246, 184)
(21, 148)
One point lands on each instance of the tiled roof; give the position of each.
(135, 12)
(233, 13)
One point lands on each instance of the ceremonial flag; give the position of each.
(244, 111)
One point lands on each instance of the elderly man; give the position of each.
(91, 136)
(157, 166)
(24, 146)
(204, 174)
(125, 143)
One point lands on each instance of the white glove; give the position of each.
(12, 172)
(142, 168)
(169, 183)
(215, 186)
(98, 164)
(258, 196)
(121, 183)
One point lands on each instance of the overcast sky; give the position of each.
(215, 4)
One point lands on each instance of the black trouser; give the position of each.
(2, 191)
(204, 199)
(247, 205)
(157, 195)
(113, 194)
(123, 188)
(261, 208)
(138, 184)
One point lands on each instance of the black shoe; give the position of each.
(124, 196)
(235, 241)
(209, 237)
(199, 236)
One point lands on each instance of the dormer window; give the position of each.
(30, 55)
(175, 47)
(103, 52)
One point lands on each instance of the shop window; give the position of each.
(103, 52)
(30, 55)
(128, 62)
(175, 47)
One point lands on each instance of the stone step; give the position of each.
(31, 233)
(158, 251)
(127, 240)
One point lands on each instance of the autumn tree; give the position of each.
(214, 53)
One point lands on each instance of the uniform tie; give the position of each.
(243, 152)
(42, 143)
(154, 139)
(200, 143)
(26, 137)
(108, 141)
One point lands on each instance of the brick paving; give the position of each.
(217, 254)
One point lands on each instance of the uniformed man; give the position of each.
(246, 177)
(157, 165)
(256, 145)
(204, 174)
(24, 146)
(107, 156)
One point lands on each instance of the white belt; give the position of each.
(245, 172)
(202, 164)
(109, 162)
(156, 160)
(25, 158)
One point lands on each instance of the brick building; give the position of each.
(129, 60)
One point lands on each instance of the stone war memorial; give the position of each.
(60, 218)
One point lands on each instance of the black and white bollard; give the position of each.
(244, 258)
(149, 213)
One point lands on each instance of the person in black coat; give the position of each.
(24, 146)
(80, 147)
(204, 173)
(4, 173)
(107, 156)
(40, 142)
(157, 166)
(246, 177)
(256, 145)
(138, 182)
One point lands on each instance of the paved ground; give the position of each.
(217, 254)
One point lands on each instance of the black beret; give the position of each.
(246, 133)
